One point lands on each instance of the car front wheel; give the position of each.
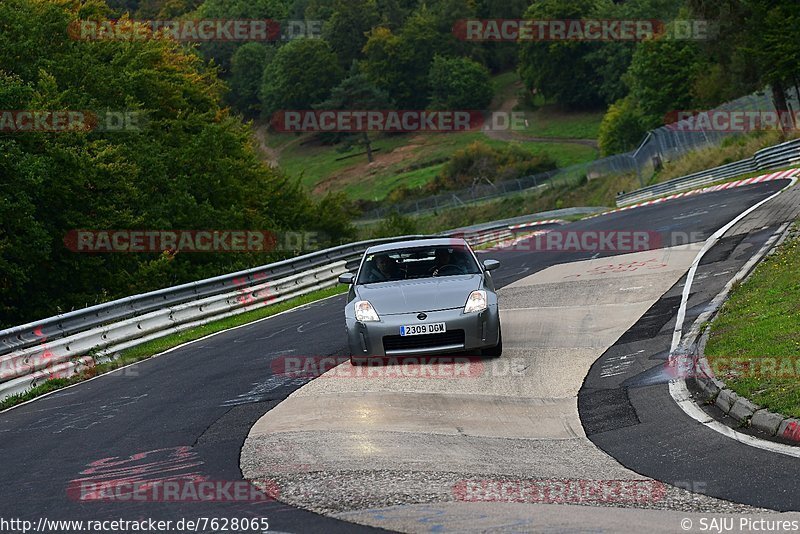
(497, 350)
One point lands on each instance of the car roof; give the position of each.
(412, 243)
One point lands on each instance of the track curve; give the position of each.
(188, 412)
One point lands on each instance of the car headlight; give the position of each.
(476, 301)
(365, 312)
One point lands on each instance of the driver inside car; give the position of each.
(384, 269)
(444, 257)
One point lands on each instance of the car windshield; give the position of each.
(417, 262)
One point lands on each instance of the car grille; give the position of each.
(424, 341)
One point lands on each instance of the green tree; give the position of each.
(301, 75)
(176, 8)
(314, 9)
(622, 128)
(393, 13)
(157, 9)
(395, 224)
(399, 63)
(459, 83)
(382, 66)
(662, 76)
(332, 218)
(221, 51)
(347, 29)
(735, 70)
(247, 73)
(563, 70)
(775, 46)
(444, 15)
(188, 165)
(357, 92)
(499, 56)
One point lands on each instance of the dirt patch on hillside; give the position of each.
(362, 168)
(269, 154)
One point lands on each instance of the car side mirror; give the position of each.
(346, 278)
(491, 265)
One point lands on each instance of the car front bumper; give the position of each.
(481, 331)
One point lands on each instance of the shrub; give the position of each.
(622, 128)
(459, 83)
(395, 224)
(479, 162)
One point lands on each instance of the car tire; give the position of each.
(355, 362)
(497, 350)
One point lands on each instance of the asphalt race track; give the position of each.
(188, 412)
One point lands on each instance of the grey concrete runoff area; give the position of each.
(410, 453)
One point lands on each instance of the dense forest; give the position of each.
(195, 165)
(406, 48)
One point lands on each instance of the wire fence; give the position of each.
(661, 145)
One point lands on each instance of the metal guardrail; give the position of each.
(501, 230)
(60, 346)
(553, 214)
(782, 155)
(687, 182)
(477, 193)
(34, 333)
(22, 369)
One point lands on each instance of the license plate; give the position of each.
(426, 328)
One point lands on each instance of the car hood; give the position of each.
(424, 294)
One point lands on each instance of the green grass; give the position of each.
(504, 86)
(731, 150)
(755, 339)
(278, 141)
(588, 193)
(549, 121)
(565, 154)
(575, 192)
(314, 163)
(156, 346)
(545, 119)
(384, 185)
(425, 152)
(413, 160)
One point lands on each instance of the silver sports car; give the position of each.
(421, 297)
